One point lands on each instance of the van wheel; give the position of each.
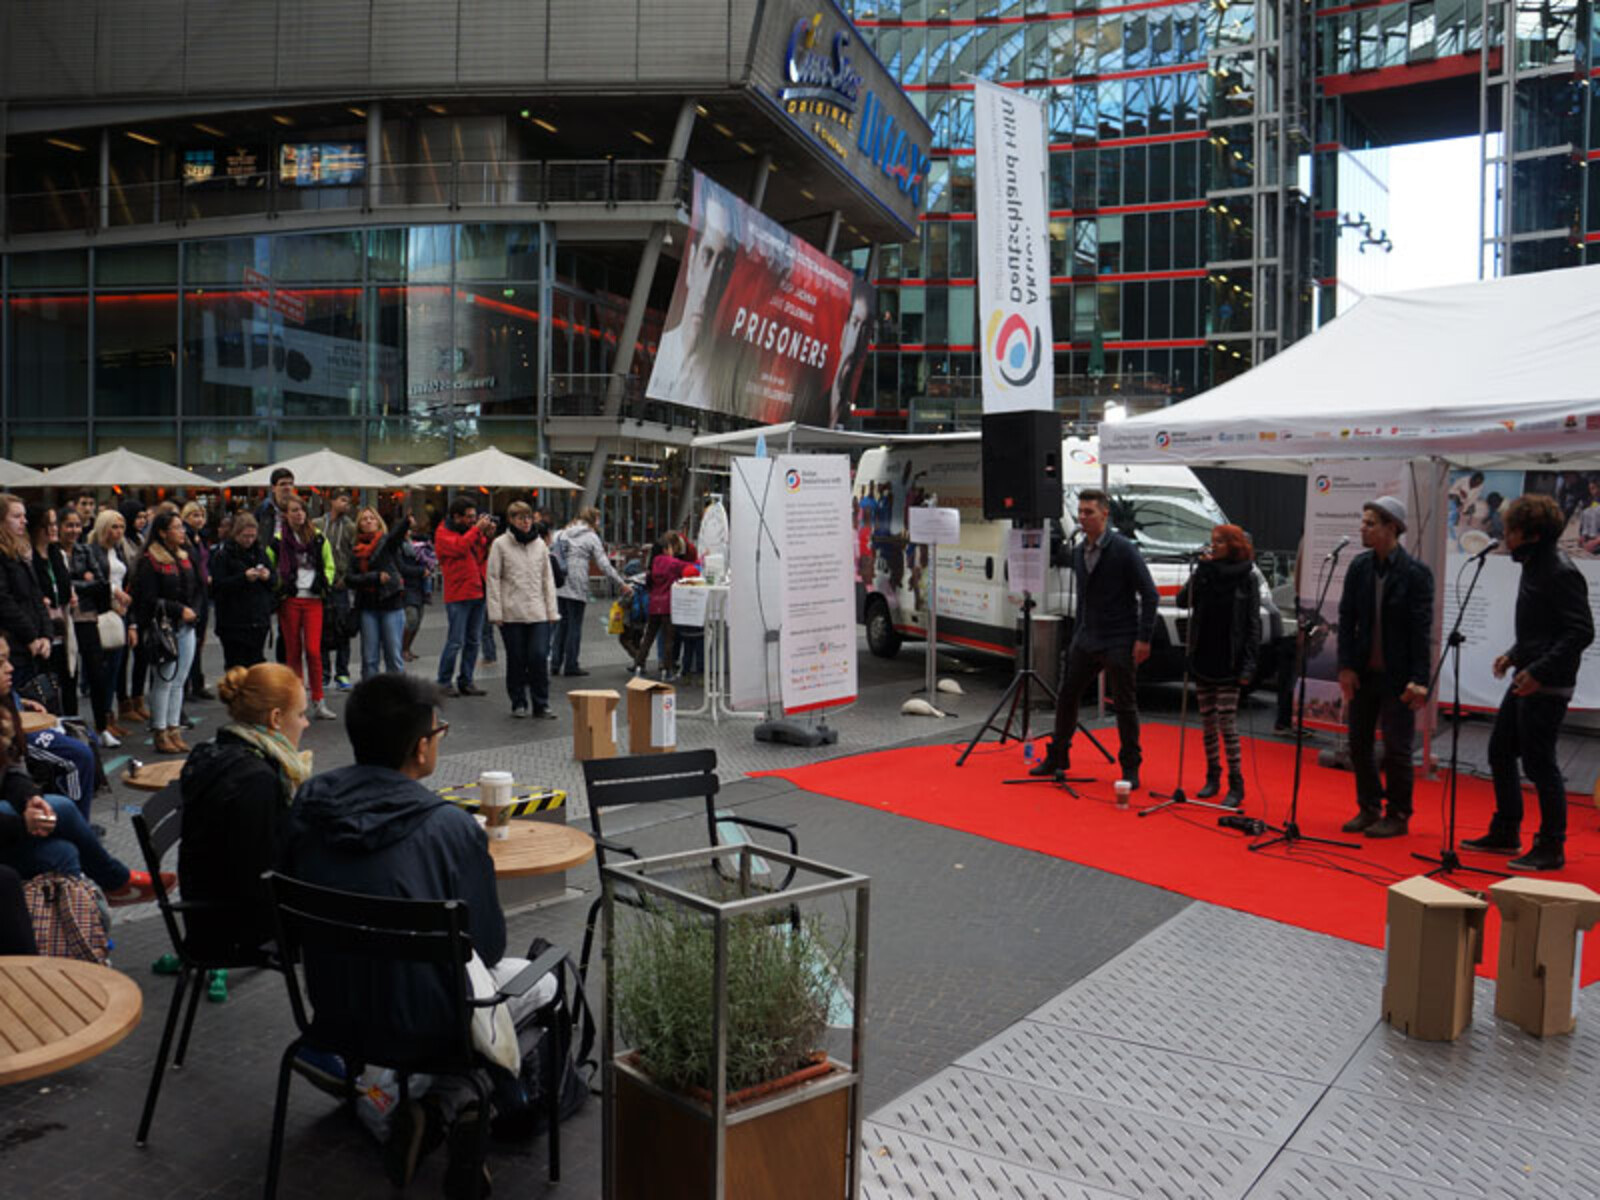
(882, 639)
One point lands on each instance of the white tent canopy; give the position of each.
(14, 474)
(1485, 374)
(491, 468)
(787, 435)
(123, 468)
(321, 468)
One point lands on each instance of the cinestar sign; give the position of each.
(815, 75)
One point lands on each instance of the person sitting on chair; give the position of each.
(374, 828)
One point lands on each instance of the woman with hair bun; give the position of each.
(1224, 631)
(236, 794)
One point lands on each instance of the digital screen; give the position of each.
(238, 166)
(322, 164)
(199, 166)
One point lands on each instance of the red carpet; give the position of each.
(1323, 888)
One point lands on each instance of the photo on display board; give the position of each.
(1577, 493)
(1477, 502)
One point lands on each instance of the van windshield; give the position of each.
(1167, 522)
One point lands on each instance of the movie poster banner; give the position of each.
(762, 324)
(1013, 251)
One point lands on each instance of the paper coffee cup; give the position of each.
(1124, 791)
(494, 802)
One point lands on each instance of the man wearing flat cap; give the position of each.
(1385, 627)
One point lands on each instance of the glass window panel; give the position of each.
(224, 447)
(1422, 32)
(1133, 295)
(412, 442)
(1163, 93)
(1061, 313)
(1159, 163)
(1133, 258)
(911, 313)
(1133, 175)
(1110, 92)
(1061, 49)
(1110, 178)
(520, 438)
(136, 355)
(421, 253)
(1450, 26)
(936, 323)
(1158, 310)
(157, 439)
(1185, 240)
(1110, 232)
(136, 266)
(1392, 28)
(1084, 312)
(1186, 107)
(963, 316)
(1160, 236)
(319, 363)
(938, 260)
(1060, 242)
(225, 260)
(1163, 42)
(49, 356)
(38, 445)
(962, 236)
(1109, 296)
(1136, 41)
(1060, 181)
(962, 196)
(1136, 108)
(1369, 40)
(319, 257)
(497, 252)
(1037, 52)
(52, 268)
(1109, 45)
(1085, 247)
(495, 368)
(227, 356)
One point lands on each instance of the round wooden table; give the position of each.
(539, 848)
(153, 776)
(38, 722)
(58, 1012)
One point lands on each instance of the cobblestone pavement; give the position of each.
(972, 943)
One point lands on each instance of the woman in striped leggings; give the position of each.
(1225, 629)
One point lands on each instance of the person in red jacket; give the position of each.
(462, 544)
(666, 567)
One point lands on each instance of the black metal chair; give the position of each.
(158, 826)
(318, 927)
(652, 779)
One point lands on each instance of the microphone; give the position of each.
(1494, 544)
(1334, 553)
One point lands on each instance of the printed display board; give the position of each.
(762, 323)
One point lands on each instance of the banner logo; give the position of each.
(791, 480)
(1016, 347)
(1163, 440)
(1324, 484)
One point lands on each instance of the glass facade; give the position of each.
(398, 345)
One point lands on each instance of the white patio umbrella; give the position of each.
(122, 467)
(14, 474)
(491, 468)
(321, 468)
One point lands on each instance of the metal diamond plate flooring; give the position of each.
(1226, 1056)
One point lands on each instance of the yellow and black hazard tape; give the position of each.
(524, 800)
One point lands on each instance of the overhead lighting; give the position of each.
(806, 192)
(66, 145)
(282, 120)
(643, 137)
(544, 125)
(746, 147)
(211, 129)
(438, 108)
(140, 137)
(701, 109)
(722, 129)
(354, 111)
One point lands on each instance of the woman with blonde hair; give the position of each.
(237, 789)
(103, 575)
(377, 579)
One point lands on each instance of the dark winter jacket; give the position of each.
(200, 556)
(91, 578)
(1407, 618)
(367, 586)
(1554, 621)
(1224, 621)
(318, 556)
(373, 830)
(242, 604)
(1116, 602)
(235, 826)
(23, 617)
(163, 588)
(55, 580)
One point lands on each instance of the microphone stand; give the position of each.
(1289, 833)
(1449, 861)
(1177, 795)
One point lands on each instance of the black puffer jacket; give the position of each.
(164, 589)
(1554, 622)
(1225, 621)
(23, 617)
(368, 587)
(242, 604)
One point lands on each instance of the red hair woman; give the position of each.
(1224, 632)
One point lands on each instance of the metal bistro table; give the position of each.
(533, 851)
(58, 1012)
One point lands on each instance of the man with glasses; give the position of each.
(375, 828)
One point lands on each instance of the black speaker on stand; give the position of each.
(1022, 465)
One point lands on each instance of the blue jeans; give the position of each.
(166, 683)
(464, 628)
(74, 762)
(527, 662)
(692, 639)
(568, 635)
(381, 631)
(72, 849)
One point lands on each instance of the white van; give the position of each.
(1166, 509)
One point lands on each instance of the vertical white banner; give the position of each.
(755, 582)
(1013, 251)
(817, 650)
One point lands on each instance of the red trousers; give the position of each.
(300, 619)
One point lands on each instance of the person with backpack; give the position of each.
(580, 552)
(302, 562)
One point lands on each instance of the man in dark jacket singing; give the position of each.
(1554, 625)
(1385, 639)
(1112, 626)
(374, 828)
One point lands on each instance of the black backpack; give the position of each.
(519, 1100)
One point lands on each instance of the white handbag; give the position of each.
(113, 632)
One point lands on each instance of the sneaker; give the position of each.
(468, 689)
(519, 710)
(544, 713)
(1544, 856)
(1359, 822)
(1387, 827)
(342, 683)
(1496, 841)
(109, 740)
(167, 964)
(415, 1132)
(324, 1071)
(449, 690)
(140, 888)
(323, 713)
